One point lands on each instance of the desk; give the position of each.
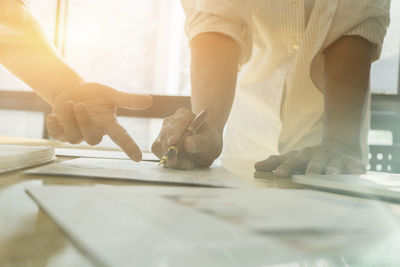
(29, 238)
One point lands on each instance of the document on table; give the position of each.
(372, 185)
(140, 171)
(174, 226)
(94, 153)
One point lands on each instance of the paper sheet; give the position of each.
(14, 157)
(177, 226)
(94, 153)
(142, 171)
(374, 185)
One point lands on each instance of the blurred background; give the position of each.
(144, 50)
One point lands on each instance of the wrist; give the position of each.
(344, 133)
(352, 146)
(67, 86)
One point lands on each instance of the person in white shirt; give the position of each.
(81, 110)
(302, 99)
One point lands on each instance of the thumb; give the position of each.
(130, 101)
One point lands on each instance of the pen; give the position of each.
(190, 130)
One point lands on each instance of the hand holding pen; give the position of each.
(188, 141)
(194, 126)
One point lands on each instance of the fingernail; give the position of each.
(136, 158)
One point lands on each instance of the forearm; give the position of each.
(43, 70)
(34, 60)
(214, 70)
(347, 73)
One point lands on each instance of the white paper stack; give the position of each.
(13, 157)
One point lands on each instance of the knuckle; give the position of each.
(304, 153)
(176, 128)
(165, 132)
(314, 168)
(288, 165)
(274, 158)
(182, 111)
(184, 116)
(167, 121)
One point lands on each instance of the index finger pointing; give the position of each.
(120, 136)
(130, 101)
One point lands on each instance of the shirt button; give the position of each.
(295, 2)
(296, 47)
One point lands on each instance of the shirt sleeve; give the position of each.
(374, 30)
(228, 17)
(365, 18)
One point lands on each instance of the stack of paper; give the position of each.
(13, 157)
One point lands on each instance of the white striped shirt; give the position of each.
(279, 101)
